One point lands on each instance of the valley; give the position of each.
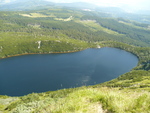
(64, 30)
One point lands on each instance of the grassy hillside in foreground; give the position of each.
(79, 100)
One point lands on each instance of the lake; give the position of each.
(22, 75)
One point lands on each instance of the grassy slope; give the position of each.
(129, 93)
(28, 43)
(79, 100)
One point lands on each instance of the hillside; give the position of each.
(19, 29)
(66, 30)
(79, 100)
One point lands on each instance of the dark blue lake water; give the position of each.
(22, 75)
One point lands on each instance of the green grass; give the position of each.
(36, 15)
(67, 19)
(91, 24)
(22, 43)
(134, 26)
(81, 100)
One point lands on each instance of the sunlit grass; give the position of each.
(67, 19)
(134, 26)
(97, 27)
(36, 15)
(82, 100)
(20, 42)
